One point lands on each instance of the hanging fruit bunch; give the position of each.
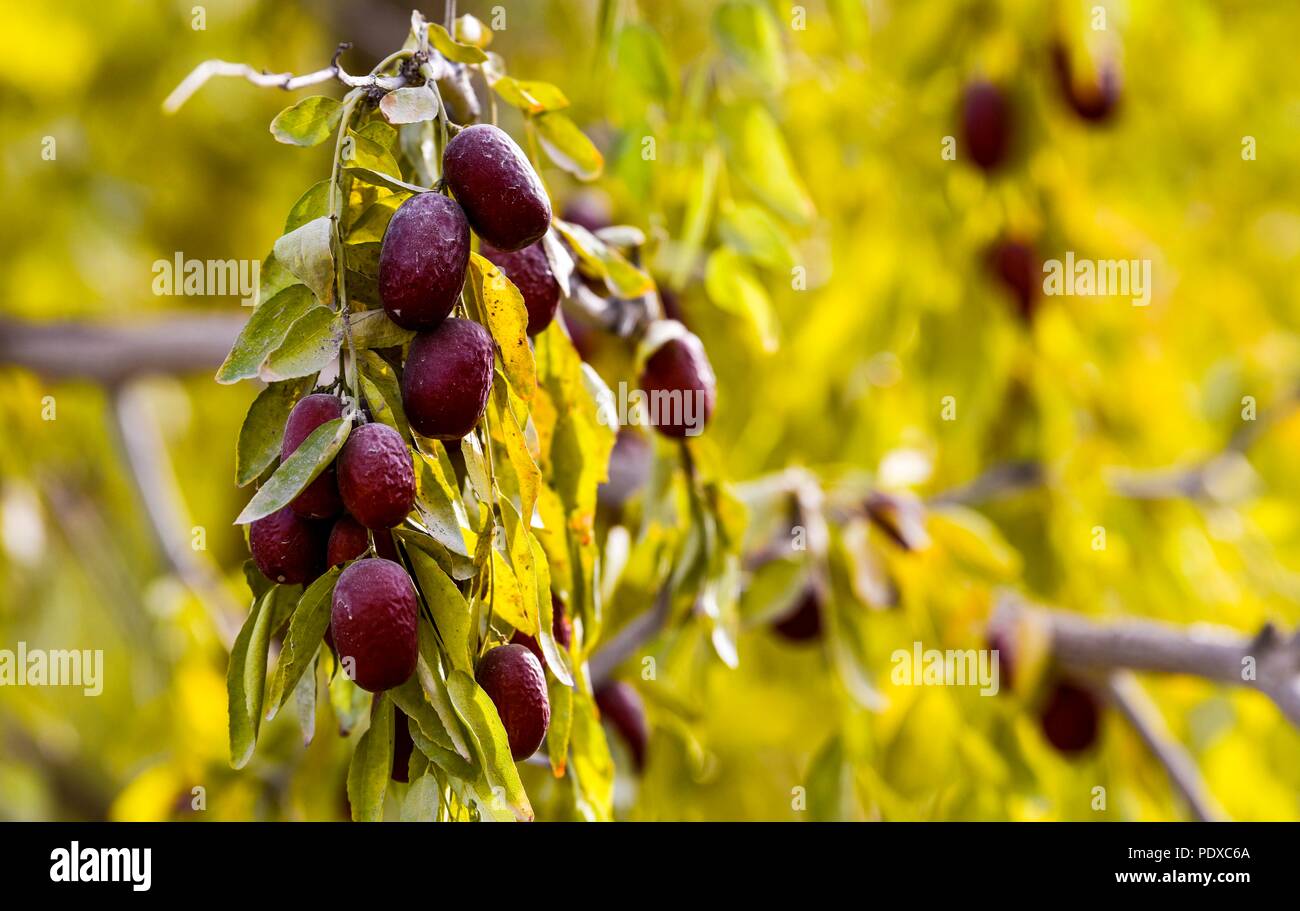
(427, 448)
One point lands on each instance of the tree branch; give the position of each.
(110, 354)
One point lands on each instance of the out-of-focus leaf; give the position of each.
(748, 33)
(758, 155)
(643, 62)
(296, 472)
(532, 97)
(568, 146)
(751, 230)
(452, 49)
(732, 286)
(307, 122)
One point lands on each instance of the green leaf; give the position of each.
(530, 96)
(474, 705)
(371, 151)
(373, 329)
(372, 764)
(263, 428)
(442, 511)
(733, 287)
(568, 146)
(422, 800)
(748, 33)
(273, 278)
(593, 767)
(306, 632)
(450, 612)
(309, 122)
(557, 735)
(313, 204)
(382, 391)
(385, 179)
(758, 155)
(452, 49)
(264, 332)
(306, 252)
(348, 701)
(502, 307)
(409, 105)
(300, 469)
(246, 679)
(624, 279)
(512, 451)
(363, 257)
(751, 230)
(643, 62)
(314, 341)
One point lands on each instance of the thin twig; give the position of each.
(1127, 695)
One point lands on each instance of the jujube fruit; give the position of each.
(530, 271)
(986, 124)
(500, 192)
(513, 679)
(1070, 718)
(348, 540)
(447, 377)
(622, 707)
(373, 620)
(680, 383)
(288, 548)
(803, 622)
(422, 261)
(1016, 265)
(376, 477)
(561, 630)
(320, 499)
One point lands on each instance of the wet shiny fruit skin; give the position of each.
(561, 629)
(622, 707)
(803, 623)
(513, 680)
(288, 548)
(531, 273)
(348, 540)
(423, 260)
(1070, 718)
(1016, 264)
(320, 499)
(376, 476)
(373, 622)
(501, 194)
(447, 378)
(680, 365)
(986, 125)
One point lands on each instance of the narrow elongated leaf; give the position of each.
(379, 178)
(306, 632)
(732, 286)
(308, 122)
(264, 332)
(748, 33)
(568, 146)
(306, 252)
(557, 735)
(503, 308)
(452, 49)
(263, 427)
(304, 695)
(372, 764)
(348, 701)
(474, 705)
(246, 679)
(532, 97)
(296, 472)
(314, 340)
(450, 612)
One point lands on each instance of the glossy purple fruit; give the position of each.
(803, 623)
(373, 621)
(320, 500)
(288, 548)
(621, 706)
(1070, 718)
(531, 272)
(513, 679)
(680, 386)
(376, 476)
(422, 261)
(447, 378)
(500, 192)
(986, 125)
(348, 540)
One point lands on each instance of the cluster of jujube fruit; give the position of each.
(446, 379)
